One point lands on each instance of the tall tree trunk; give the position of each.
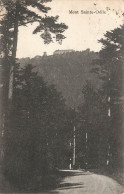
(4, 82)
(11, 76)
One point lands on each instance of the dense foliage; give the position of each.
(36, 142)
(92, 129)
(68, 72)
(18, 114)
(112, 63)
(101, 115)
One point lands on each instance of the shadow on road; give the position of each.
(70, 186)
(55, 181)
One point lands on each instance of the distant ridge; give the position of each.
(68, 72)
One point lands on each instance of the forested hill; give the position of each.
(68, 72)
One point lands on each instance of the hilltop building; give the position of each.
(59, 52)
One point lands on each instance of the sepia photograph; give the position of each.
(62, 96)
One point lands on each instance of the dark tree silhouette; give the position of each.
(110, 68)
(35, 142)
(18, 14)
(92, 129)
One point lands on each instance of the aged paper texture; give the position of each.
(62, 96)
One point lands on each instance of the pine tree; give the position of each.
(20, 14)
(92, 131)
(36, 129)
(5, 61)
(110, 69)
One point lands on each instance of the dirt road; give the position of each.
(79, 182)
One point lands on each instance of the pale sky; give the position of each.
(84, 30)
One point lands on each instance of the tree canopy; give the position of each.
(110, 68)
(20, 13)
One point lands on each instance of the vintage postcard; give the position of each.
(62, 96)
